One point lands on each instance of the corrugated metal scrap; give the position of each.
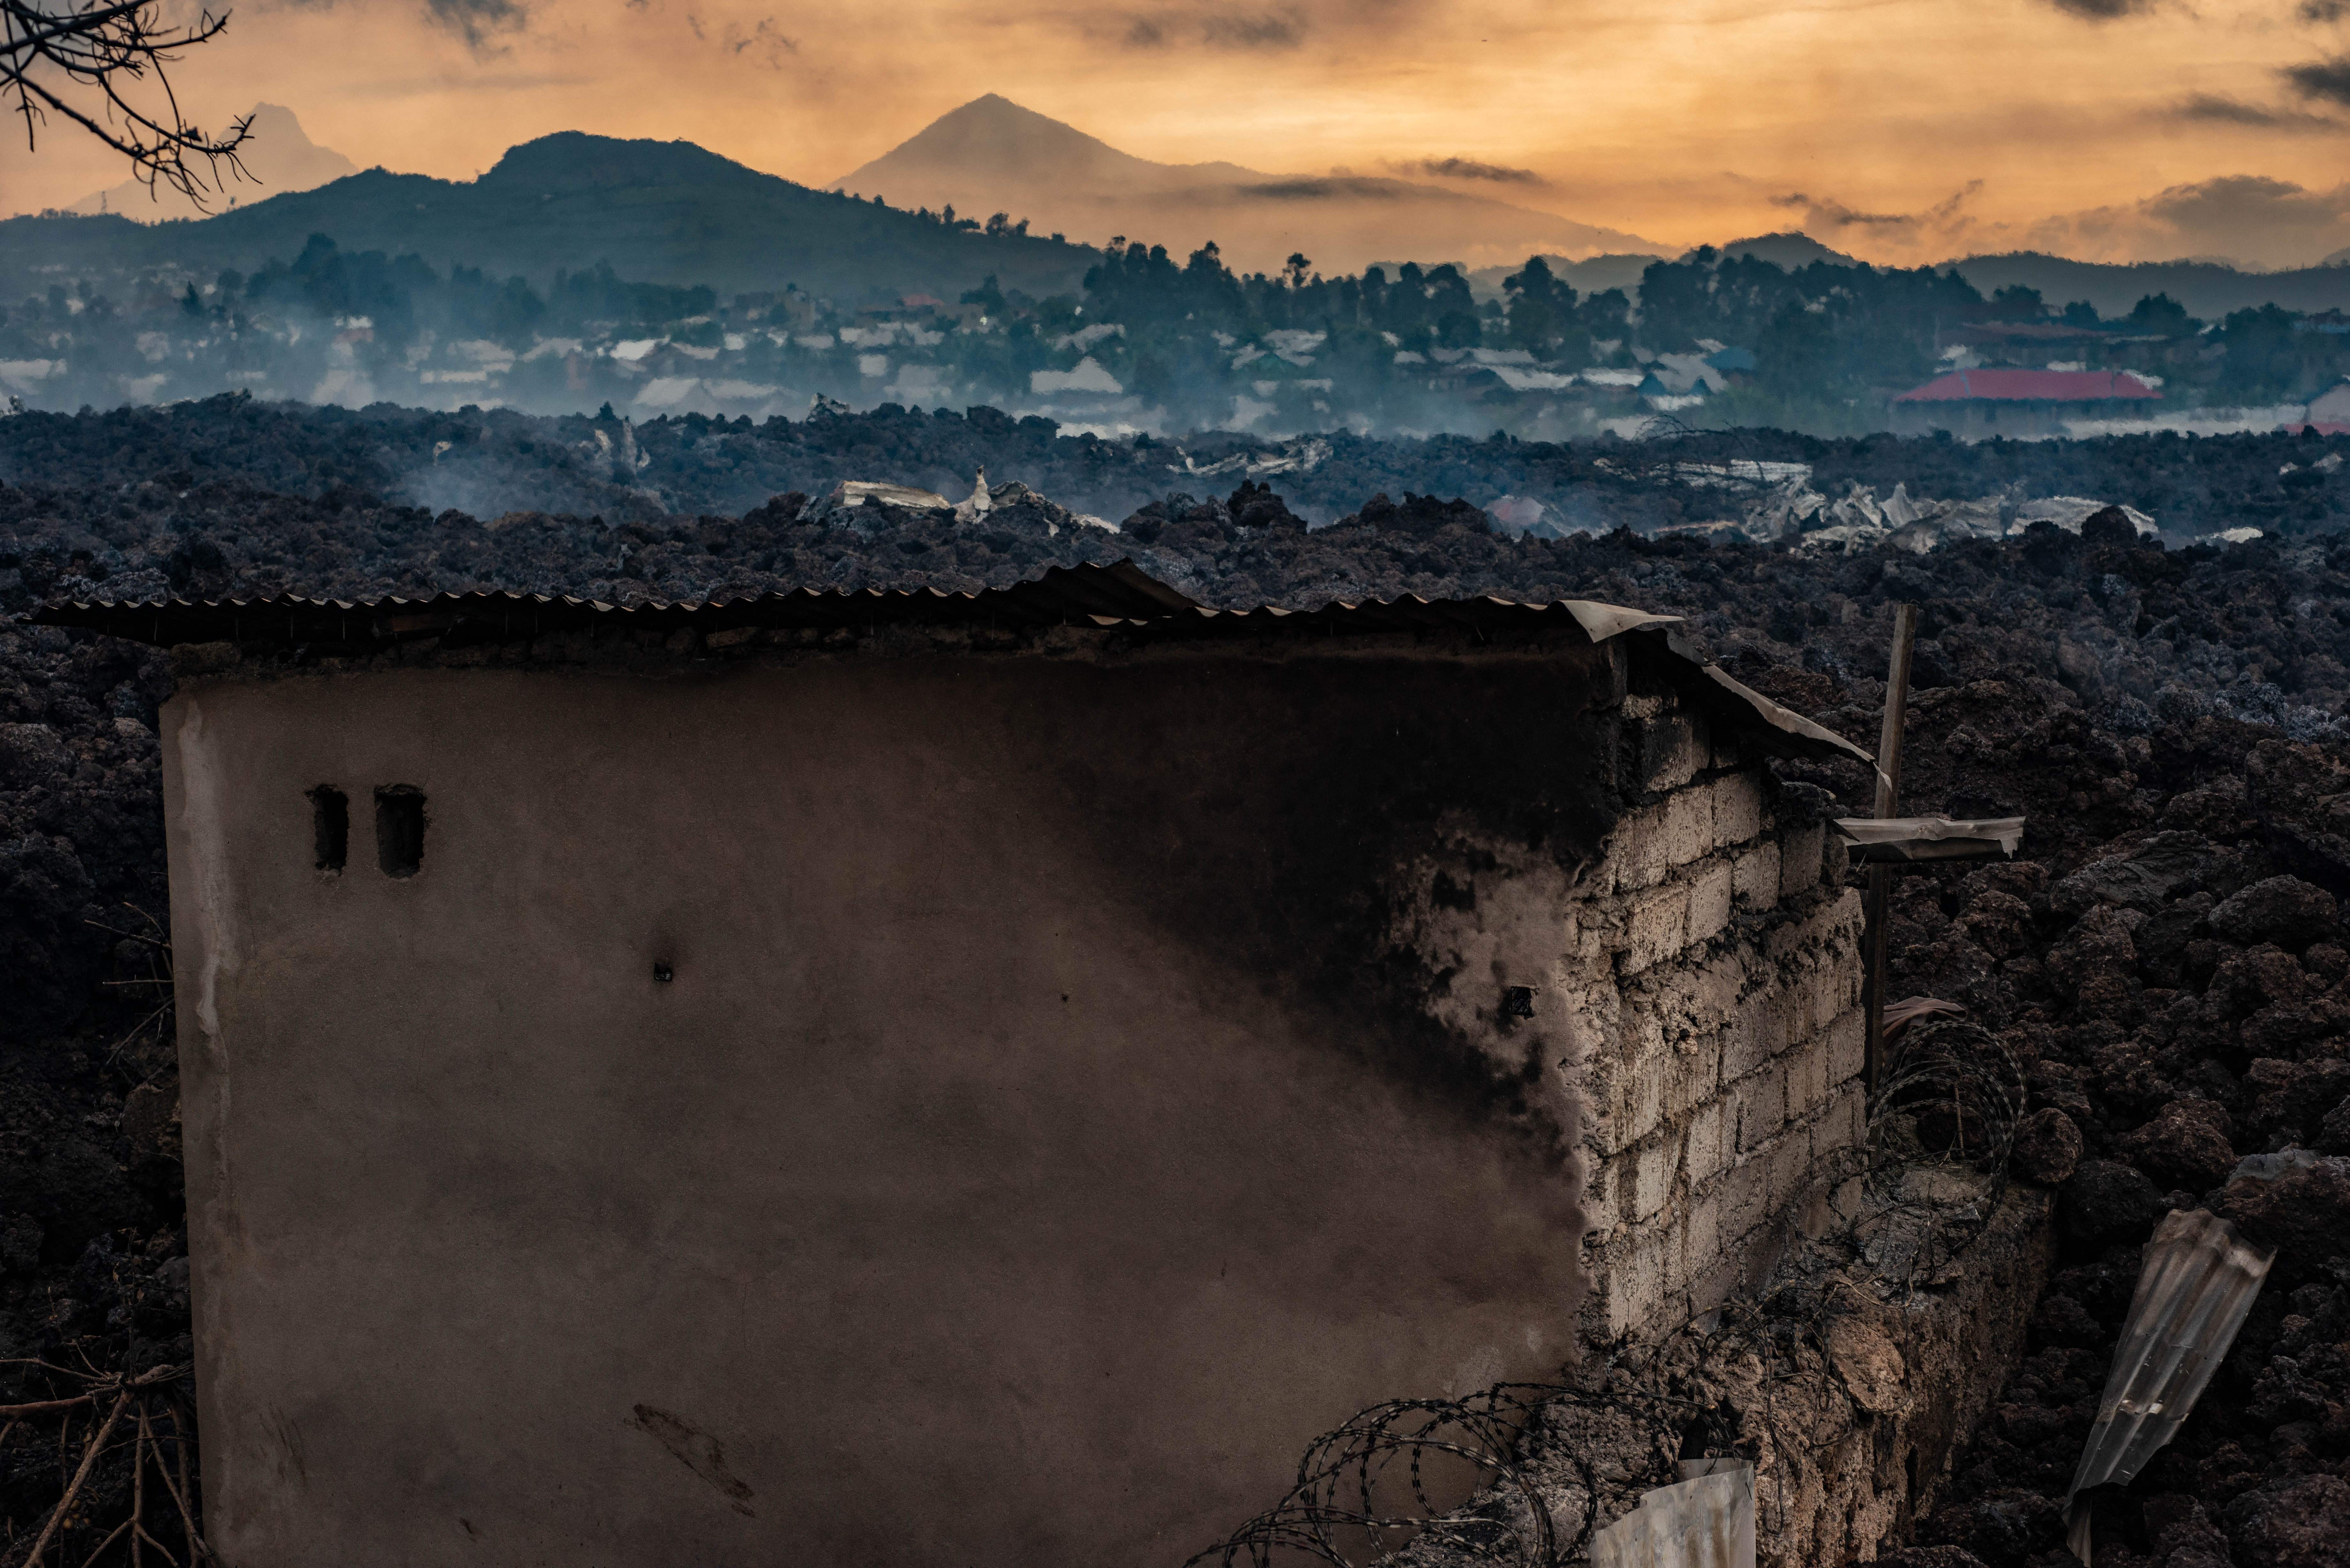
(2198, 1282)
(1704, 1520)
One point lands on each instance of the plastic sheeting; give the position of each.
(2198, 1282)
(1704, 1520)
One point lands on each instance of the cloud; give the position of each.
(2102, 10)
(2252, 219)
(2324, 11)
(1312, 190)
(2326, 80)
(1272, 30)
(1827, 212)
(1470, 169)
(764, 44)
(1281, 28)
(2213, 110)
(477, 22)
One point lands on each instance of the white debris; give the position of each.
(1088, 377)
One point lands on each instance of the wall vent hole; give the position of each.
(399, 829)
(330, 826)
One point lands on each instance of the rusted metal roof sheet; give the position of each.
(1906, 838)
(2032, 386)
(1120, 596)
(2198, 1282)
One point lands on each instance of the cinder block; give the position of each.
(1656, 1253)
(1602, 1209)
(1709, 903)
(1702, 1239)
(1636, 1295)
(1716, 1285)
(1758, 1107)
(1843, 1124)
(1745, 1191)
(1693, 1080)
(1745, 1044)
(1726, 754)
(1657, 928)
(1799, 860)
(1642, 1099)
(1807, 1078)
(1714, 989)
(1672, 751)
(1737, 808)
(1791, 1169)
(1638, 849)
(1848, 1047)
(1755, 880)
(1654, 1164)
(1688, 826)
(1707, 1153)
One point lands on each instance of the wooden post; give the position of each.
(1888, 803)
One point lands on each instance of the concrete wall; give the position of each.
(1085, 1075)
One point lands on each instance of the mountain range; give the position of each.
(991, 155)
(673, 212)
(280, 156)
(659, 211)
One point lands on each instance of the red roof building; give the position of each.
(1994, 403)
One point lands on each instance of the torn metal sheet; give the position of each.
(2198, 1282)
(1899, 1015)
(1786, 719)
(1911, 838)
(1601, 621)
(1704, 1521)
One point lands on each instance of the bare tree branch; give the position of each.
(100, 64)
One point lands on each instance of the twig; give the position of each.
(88, 1457)
(137, 1487)
(105, 1544)
(197, 1547)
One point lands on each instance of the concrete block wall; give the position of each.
(1713, 978)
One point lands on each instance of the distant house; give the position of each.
(1979, 404)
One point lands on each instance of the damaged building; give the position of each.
(953, 1079)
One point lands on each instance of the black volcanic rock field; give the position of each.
(2168, 956)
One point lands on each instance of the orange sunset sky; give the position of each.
(1899, 129)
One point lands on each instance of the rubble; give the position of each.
(2164, 950)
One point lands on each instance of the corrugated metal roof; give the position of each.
(1103, 595)
(2032, 386)
(1119, 595)
(2198, 1282)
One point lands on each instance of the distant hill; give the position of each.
(2207, 289)
(1594, 274)
(278, 157)
(991, 155)
(659, 211)
(1789, 250)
